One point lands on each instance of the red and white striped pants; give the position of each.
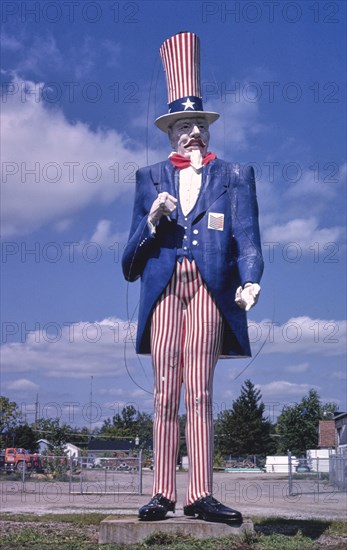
(186, 337)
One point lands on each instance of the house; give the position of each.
(341, 433)
(319, 460)
(71, 451)
(44, 446)
(114, 454)
(326, 434)
(338, 464)
(113, 446)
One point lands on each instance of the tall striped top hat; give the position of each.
(180, 55)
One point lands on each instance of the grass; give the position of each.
(80, 532)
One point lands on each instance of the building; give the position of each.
(114, 446)
(71, 451)
(326, 434)
(44, 446)
(113, 454)
(341, 433)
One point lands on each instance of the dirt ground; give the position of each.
(264, 495)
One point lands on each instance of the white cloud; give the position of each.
(303, 232)
(281, 388)
(322, 180)
(238, 124)
(37, 52)
(112, 52)
(293, 212)
(10, 43)
(22, 385)
(73, 165)
(75, 351)
(302, 335)
(104, 236)
(339, 375)
(112, 392)
(299, 368)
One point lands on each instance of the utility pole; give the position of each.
(36, 411)
(90, 407)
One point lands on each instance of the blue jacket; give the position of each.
(225, 258)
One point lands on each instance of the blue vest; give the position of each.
(187, 237)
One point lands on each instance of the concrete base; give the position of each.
(131, 531)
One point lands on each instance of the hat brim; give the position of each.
(165, 121)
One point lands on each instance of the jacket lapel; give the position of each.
(164, 178)
(214, 185)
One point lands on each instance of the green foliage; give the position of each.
(218, 459)
(243, 429)
(182, 419)
(56, 433)
(297, 425)
(56, 464)
(167, 539)
(79, 532)
(24, 436)
(10, 417)
(129, 424)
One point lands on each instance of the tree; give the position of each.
(144, 429)
(243, 429)
(122, 425)
(10, 417)
(297, 425)
(51, 429)
(25, 437)
(129, 424)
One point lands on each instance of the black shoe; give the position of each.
(156, 509)
(209, 509)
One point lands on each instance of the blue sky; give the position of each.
(82, 84)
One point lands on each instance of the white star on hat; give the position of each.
(188, 104)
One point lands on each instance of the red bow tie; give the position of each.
(179, 161)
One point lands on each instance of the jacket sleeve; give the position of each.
(141, 240)
(246, 226)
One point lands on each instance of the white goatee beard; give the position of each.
(196, 159)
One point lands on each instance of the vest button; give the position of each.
(194, 243)
(185, 237)
(196, 231)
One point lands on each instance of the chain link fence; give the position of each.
(317, 474)
(338, 472)
(105, 475)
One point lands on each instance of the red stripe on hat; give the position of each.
(187, 54)
(180, 55)
(170, 73)
(175, 70)
(185, 61)
(179, 68)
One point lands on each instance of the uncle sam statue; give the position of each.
(194, 241)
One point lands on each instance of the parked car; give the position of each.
(302, 466)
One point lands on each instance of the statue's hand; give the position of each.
(163, 205)
(248, 296)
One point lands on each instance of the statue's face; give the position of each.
(189, 134)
